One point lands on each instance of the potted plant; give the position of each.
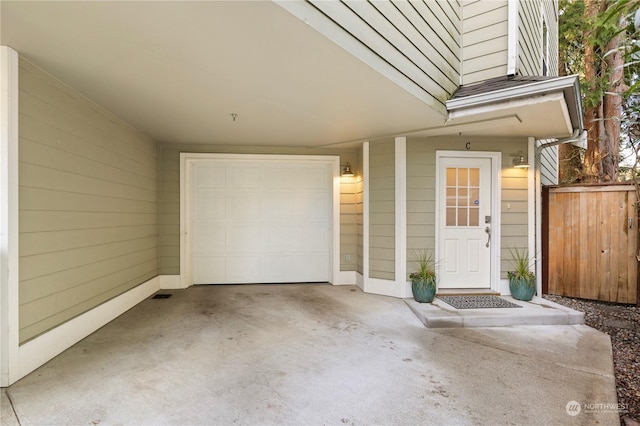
(522, 282)
(423, 282)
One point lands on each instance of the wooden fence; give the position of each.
(590, 242)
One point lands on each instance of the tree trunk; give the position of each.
(612, 106)
(593, 106)
(569, 161)
(605, 74)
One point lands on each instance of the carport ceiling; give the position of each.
(178, 70)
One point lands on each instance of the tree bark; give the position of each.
(593, 108)
(612, 106)
(605, 74)
(569, 160)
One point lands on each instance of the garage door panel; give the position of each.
(210, 238)
(315, 268)
(261, 222)
(244, 206)
(279, 206)
(209, 269)
(316, 238)
(283, 237)
(210, 175)
(245, 269)
(210, 204)
(245, 238)
(244, 176)
(314, 206)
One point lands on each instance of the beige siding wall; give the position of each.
(382, 210)
(550, 11)
(530, 37)
(421, 192)
(421, 40)
(484, 40)
(549, 166)
(169, 198)
(87, 209)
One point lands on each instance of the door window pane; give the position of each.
(463, 196)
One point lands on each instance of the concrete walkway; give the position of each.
(538, 311)
(314, 355)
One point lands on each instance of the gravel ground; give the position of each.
(622, 323)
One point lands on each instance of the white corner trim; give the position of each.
(360, 280)
(335, 222)
(365, 214)
(36, 352)
(9, 302)
(388, 288)
(170, 282)
(512, 38)
(401, 214)
(534, 218)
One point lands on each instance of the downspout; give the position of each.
(575, 137)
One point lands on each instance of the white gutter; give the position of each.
(534, 88)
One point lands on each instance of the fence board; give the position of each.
(591, 237)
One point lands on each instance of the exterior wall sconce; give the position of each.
(519, 162)
(346, 170)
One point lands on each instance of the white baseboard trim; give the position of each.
(346, 278)
(383, 287)
(504, 288)
(170, 282)
(43, 348)
(360, 280)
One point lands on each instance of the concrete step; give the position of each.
(538, 311)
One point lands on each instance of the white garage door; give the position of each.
(260, 221)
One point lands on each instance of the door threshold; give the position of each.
(467, 292)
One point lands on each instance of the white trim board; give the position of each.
(187, 161)
(9, 303)
(36, 352)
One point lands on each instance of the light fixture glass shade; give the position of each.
(519, 162)
(346, 171)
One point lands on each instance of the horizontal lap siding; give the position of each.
(530, 37)
(421, 192)
(549, 166)
(551, 13)
(87, 209)
(419, 40)
(169, 198)
(484, 40)
(382, 210)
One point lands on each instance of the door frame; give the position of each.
(187, 160)
(496, 219)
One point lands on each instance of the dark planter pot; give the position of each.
(522, 288)
(424, 290)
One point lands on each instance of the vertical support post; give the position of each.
(9, 339)
(365, 216)
(401, 216)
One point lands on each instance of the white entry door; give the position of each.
(260, 221)
(464, 203)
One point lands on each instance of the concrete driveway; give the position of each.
(314, 355)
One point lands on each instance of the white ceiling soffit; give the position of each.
(547, 109)
(178, 70)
